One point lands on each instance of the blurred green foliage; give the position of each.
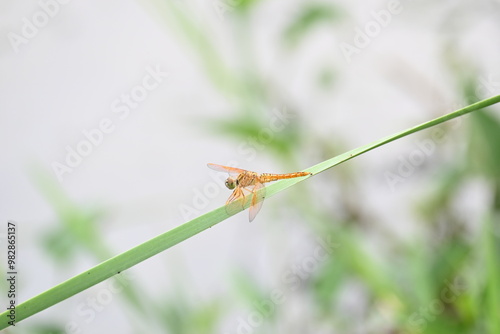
(310, 16)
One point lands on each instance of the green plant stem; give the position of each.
(128, 259)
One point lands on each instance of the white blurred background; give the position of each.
(222, 62)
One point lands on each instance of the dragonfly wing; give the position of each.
(258, 195)
(233, 171)
(232, 207)
(237, 194)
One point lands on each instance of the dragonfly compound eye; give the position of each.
(230, 183)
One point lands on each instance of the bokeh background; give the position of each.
(404, 239)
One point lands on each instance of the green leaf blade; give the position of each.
(152, 247)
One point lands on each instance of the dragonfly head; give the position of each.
(231, 183)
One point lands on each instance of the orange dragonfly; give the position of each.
(246, 183)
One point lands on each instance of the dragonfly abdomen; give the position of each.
(266, 177)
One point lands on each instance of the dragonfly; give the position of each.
(245, 183)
